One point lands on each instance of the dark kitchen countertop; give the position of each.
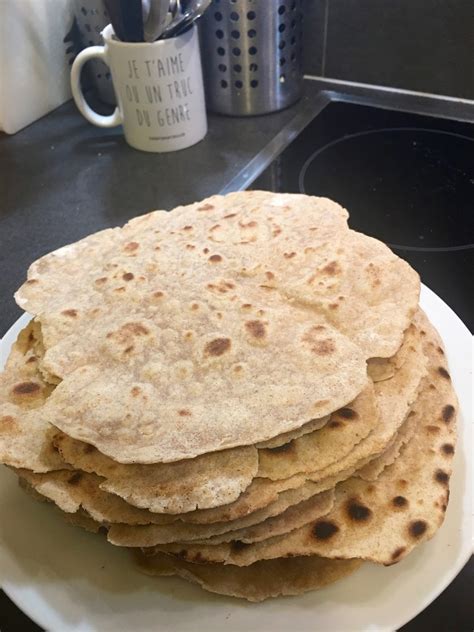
(61, 179)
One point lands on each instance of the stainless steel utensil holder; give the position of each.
(252, 55)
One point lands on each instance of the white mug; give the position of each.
(159, 90)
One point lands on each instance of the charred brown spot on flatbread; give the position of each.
(441, 477)
(26, 388)
(215, 258)
(357, 511)
(75, 478)
(324, 529)
(399, 502)
(398, 552)
(256, 328)
(205, 207)
(346, 413)
(417, 528)
(217, 347)
(238, 545)
(332, 268)
(71, 313)
(448, 449)
(448, 413)
(128, 276)
(442, 371)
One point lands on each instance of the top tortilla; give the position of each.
(167, 334)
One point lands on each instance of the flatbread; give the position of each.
(151, 535)
(75, 491)
(286, 437)
(210, 480)
(199, 305)
(384, 520)
(271, 578)
(321, 448)
(25, 437)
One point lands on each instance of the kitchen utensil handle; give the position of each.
(112, 120)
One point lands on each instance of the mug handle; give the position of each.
(112, 120)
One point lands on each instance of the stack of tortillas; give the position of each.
(244, 391)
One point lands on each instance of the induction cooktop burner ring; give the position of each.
(315, 154)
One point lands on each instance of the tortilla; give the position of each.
(271, 578)
(209, 480)
(198, 305)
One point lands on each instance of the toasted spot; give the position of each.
(217, 347)
(447, 448)
(334, 306)
(30, 360)
(75, 478)
(120, 289)
(32, 281)
(256, 328)
(229, 215)
(396, 554)
(158, 294)
(332, 268)
(357, 511)
(432, 429)
(335, 424)
(26, 388)
(190, 247)
(194, 306)
(7, 423)
(441, 477)
(416, 528)
(442, 371)
(101, 281)
(89, 448)
(205, 207)
(136, 329)
(215, 258)
(246, 306)
(72, 313)
(187, 227)
(324, 529)
(319, 347)
(448, 413)
(347, 413)
(205, 251)
(129, 349)
(135, 391)
(440, 350)
(128, 276)
(131, 246)
(238, 545)
(289, 255)
(184, 413)
(399, 501)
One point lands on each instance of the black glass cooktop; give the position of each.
(405, 179)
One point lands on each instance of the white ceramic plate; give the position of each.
(66, 579)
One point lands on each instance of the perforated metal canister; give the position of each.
(252, 55)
